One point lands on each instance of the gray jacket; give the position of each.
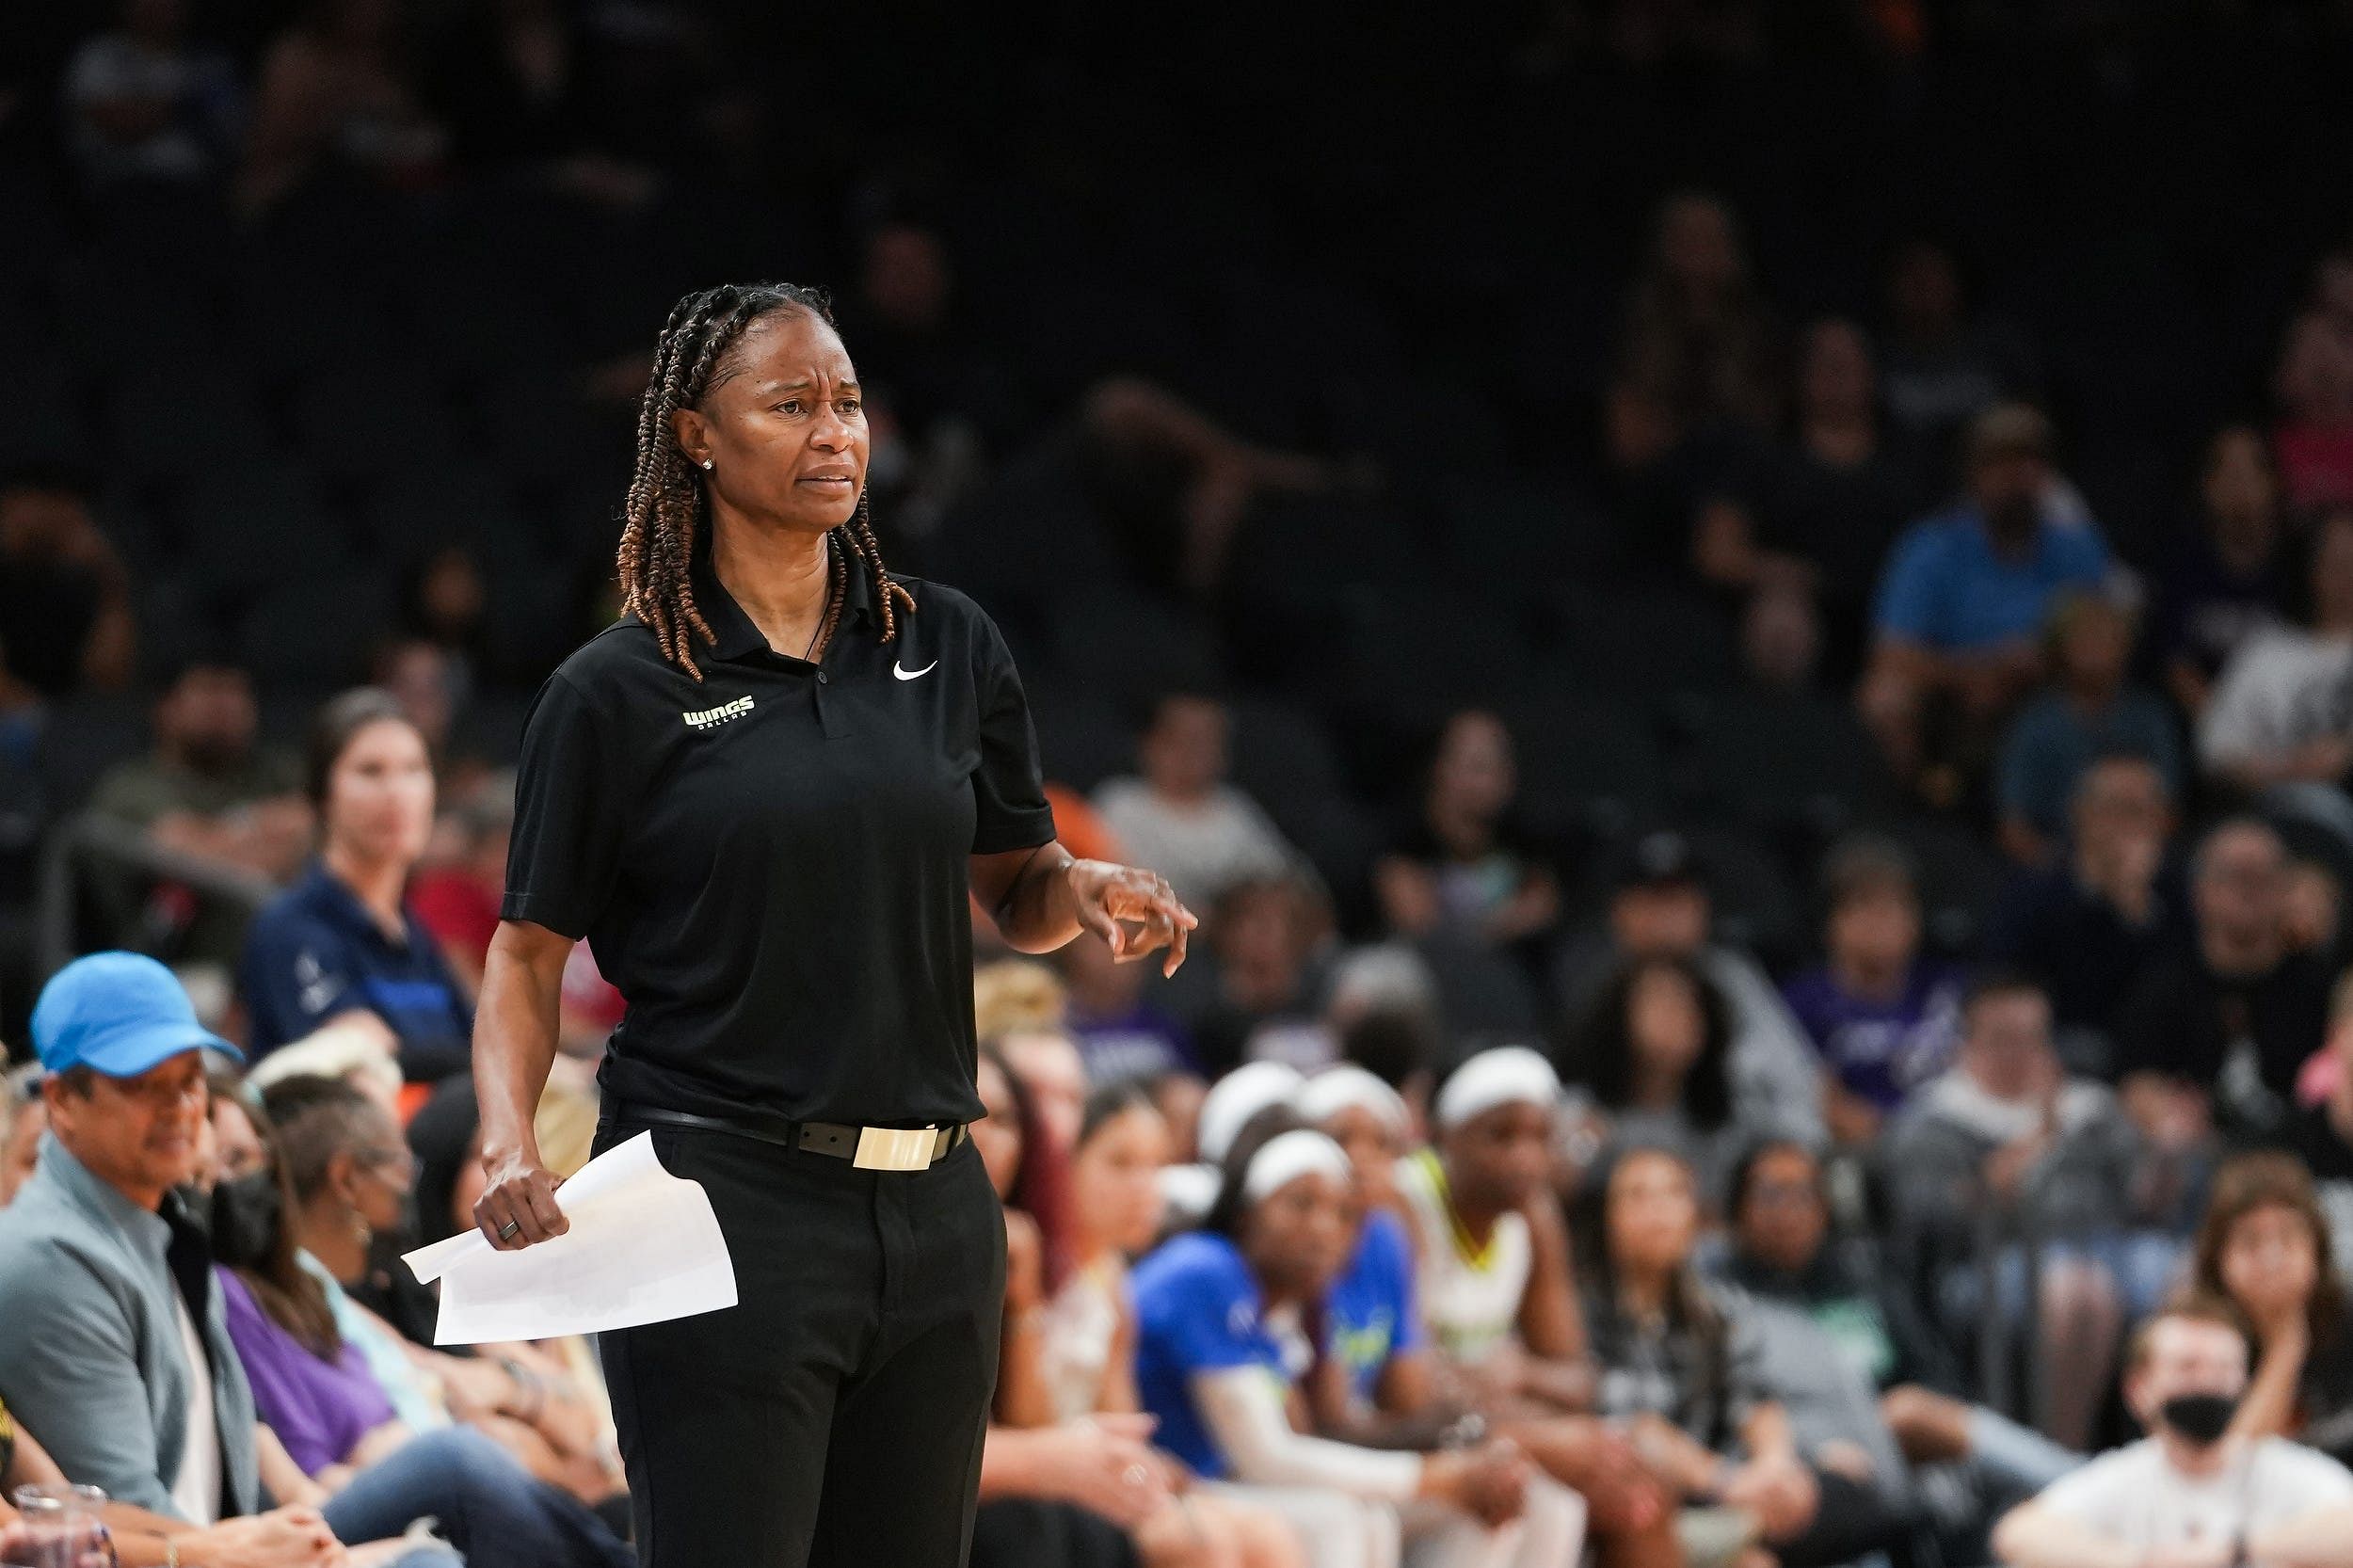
(90, 1360)
(1934, 1156)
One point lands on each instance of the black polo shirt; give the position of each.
(771, 865)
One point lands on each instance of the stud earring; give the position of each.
(706, 462)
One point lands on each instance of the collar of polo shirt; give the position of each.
(738, 637)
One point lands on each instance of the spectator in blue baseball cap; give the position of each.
(99, 1251)
(118, 1351)
(120, 1043)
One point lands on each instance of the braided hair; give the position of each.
(667, 505)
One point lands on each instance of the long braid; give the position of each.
(837, 580)
(889, 592)
(666, 503)
(656, 460)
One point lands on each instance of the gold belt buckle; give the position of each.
(885, 1148)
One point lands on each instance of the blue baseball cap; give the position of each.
(118, 1014)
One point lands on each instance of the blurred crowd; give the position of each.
(1760, 736)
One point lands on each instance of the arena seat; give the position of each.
(1588, 762)
(1083, 737)
(178, 418)
(84, 737)
(1775, 761)
(315, 631)
(1642, 641)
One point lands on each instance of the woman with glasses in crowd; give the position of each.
(360, 1192)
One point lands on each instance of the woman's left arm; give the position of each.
(1041, 898)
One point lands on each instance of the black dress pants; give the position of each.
(834, 1415)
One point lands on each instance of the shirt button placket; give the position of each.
(828, 714)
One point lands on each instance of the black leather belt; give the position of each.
(870, 1149)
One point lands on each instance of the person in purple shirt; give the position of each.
(324, 1408)
(1885, 1020)
(1965, 593)
(313, 1388)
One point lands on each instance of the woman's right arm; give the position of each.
(514, 1045)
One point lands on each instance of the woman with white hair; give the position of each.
(1226, 1319)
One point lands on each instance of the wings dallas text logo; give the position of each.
(713, 717)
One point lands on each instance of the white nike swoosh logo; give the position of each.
(905, 674)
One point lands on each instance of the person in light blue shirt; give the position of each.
(1957, 587)
(1966, 593)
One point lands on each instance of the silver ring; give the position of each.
(509, 1229)
(1135, 1475)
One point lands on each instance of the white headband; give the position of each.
(1350, 1087)
(1240, 1095)
(1188, 1192)
(1288, 1157)
(1509, 1075)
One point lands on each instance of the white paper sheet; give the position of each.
(644, 1248)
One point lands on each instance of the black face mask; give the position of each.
(245, 1216)
(2199, 1418)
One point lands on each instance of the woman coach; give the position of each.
(762, 796)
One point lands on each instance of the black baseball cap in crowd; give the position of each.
(1660, 860)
